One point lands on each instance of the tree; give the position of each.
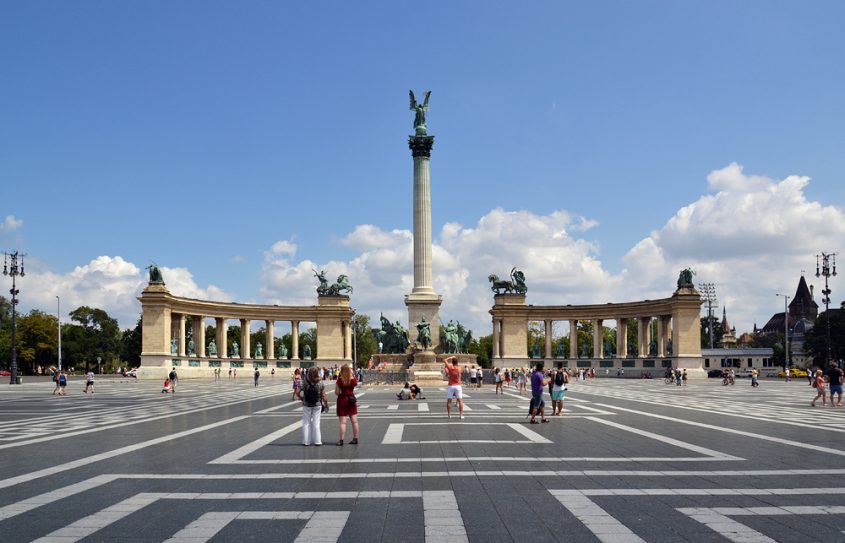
(308, 337)
(365, 342)
(815, 340)
(100, 337)
(131, 344)
(705, 333)
(482, 348)
(37, 339)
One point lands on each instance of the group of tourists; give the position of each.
(310, 389)
(834, 379)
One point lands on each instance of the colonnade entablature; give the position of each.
(668, 332)
(167, 318)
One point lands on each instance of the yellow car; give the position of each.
(793, 372)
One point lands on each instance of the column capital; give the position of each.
(420, 145)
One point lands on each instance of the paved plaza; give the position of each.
(630, 461)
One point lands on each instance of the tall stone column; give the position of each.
(598, 346)
(573, 339)
(661, 337)
(496, 339)
(423, 301)
(182, 320)
(222, 338)
(199, 334)
(642, 335)
(347, 346)
(245, 339)
(622, 338)
(548, 324)
(269, 336)
(294, 340)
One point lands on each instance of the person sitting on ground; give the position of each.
(166, 388)
(405, 393)
(416, 393)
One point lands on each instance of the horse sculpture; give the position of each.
(515, 285)
(342, 284)
(685, 278)
(451, 342)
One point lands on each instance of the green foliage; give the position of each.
(130, 345)
(37, 339)
(308, 337)
(482, 348)
(92, 334)
(705, 333)
(815, 341)
(365, 342)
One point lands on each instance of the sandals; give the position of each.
(339, 443)
(533, 422)
(544, 420)
(354, 441)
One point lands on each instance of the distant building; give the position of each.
(802, 306)
(738, 358)
(797, 354)
(728, 332)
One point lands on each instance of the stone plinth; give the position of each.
(428, 307)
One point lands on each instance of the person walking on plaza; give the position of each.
(473, 378)
(255, 377)
(454, 389)
(62, 384)
(312, 394)
(538, 383)
(497, 378)
(835, 380)
(89, 382)
(174, 378)
(297, 382)
(561, 379)
(818, 383)
(754, 382)
(480, 377)
(347, 403)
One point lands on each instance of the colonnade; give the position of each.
(166, 319)
(675, 319)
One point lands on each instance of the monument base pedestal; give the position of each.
(420, 306)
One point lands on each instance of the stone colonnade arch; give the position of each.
(165, 318)
(677, 320)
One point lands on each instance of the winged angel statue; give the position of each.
(419, 119)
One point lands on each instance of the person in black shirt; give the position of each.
(835, 378)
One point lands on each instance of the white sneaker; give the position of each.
(449, 416)
(462, 417)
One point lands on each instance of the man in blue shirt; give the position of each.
(538, 383)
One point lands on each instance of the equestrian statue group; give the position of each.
(516, 285)
(325, 289)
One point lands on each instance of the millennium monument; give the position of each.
(423, 302)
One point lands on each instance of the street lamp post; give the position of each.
(59, 319)
(827, 259)
(10, 267)
(708, 294)
(354, 344)
(785, 331)
(99, 372)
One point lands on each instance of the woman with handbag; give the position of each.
(347, 403)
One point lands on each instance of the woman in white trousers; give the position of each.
(313, 395)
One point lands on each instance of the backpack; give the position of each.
(559, 381)
(311, 393)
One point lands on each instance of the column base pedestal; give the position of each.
(428, 307)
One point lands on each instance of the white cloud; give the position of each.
(10, 224)
(111, 283)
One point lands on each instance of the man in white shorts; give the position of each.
(454, 390)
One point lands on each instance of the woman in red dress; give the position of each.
(347, 404)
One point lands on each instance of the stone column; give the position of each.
(269, 336)
(548, 324)
(661, 337)
(622, 338)
(573, 339)
(642, 335)
(182, 319)
(245, 339)
(294, 340)
(423, 302)
(598, 345)
(347, 354)
(222, 338)
(199, 335)
(496, 339)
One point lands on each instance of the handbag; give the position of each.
(351, 400)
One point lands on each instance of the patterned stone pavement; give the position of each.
(630, 461)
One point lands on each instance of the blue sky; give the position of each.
(239, 144)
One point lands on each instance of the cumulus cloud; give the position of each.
(111, 283)
(752, 237)
(10, 224)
